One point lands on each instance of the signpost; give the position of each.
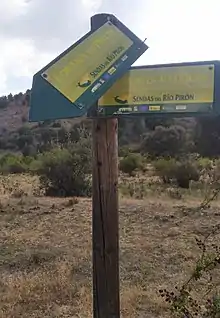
(183, 89)
(94, 77)
(69, 85)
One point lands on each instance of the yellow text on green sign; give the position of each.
(162, 85)
(73, 74)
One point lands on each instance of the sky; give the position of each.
(34, 32)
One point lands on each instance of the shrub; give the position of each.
(64, 172)
(198, 296)
(11, 163)
(185, 172)
(165, 168)
(165, 141)
(130, 163)
(204, 163)
(182, 172)
(124, 151)
(207, 135)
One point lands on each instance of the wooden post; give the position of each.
(106, 301)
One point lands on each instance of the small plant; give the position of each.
(124, 151)
(134, 188)
(18, 193)
(174, 193)
(165, 168)
(71, 202)
(11, 163)
(65, 172)
(182, 172)
(204, 163)
(182, 300)
(130, 163)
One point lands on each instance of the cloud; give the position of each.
(19, 59)
(51, 24)
(36, 31)
(33, 32)
(48, 24)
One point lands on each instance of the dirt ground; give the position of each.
(45, 252)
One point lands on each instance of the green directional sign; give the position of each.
(180, 89)
(75, 80)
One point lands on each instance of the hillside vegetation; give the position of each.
(155, 137)
(169, 216)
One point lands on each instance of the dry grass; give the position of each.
(45, 253)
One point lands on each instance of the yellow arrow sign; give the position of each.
(162, 85)
(72, 74)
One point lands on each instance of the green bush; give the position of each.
(124, 151)
(165, 142)
(185, 172)
(131, 162)
(204, 163)
(65, 172)
(165, 168)
(11, 163)
(182, 172)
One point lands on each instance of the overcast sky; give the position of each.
(33, 32)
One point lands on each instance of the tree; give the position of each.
(3, 102)
(207, 136)
(165, 141)
(10, 98)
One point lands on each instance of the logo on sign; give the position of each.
(154, 107)
(124, 58)
(84, 82)
(180, 107)
(106, 76)
(96, 87)
(143, 108)
(120, 100)
(112, 70)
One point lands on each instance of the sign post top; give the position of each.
(99, 19)
(85, 71)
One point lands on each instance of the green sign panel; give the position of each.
(74, 81)
(171, 89)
